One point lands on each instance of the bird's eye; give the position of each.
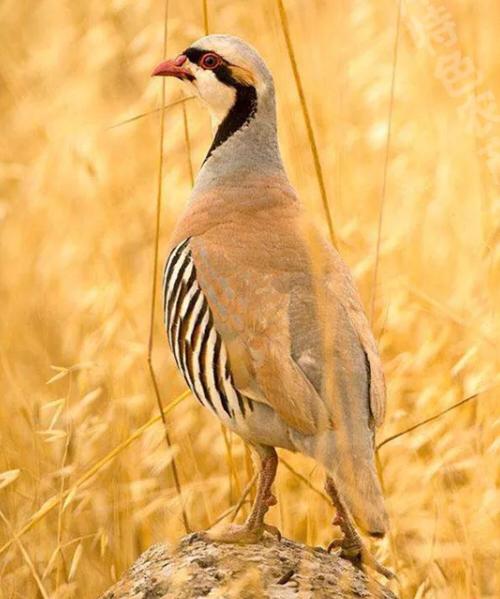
(210, 61)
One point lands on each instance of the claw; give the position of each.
(334, 545)
(273, 530)
(367, 558)
(359, 556)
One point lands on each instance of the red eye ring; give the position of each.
(210, 61)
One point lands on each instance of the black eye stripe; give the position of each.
(195, 54)
(222, 72)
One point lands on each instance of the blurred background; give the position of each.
(85, 474)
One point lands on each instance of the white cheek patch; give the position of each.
(218, 96)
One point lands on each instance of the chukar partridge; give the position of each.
(261, 313)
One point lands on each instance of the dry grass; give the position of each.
(77, 214)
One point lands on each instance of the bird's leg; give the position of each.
(254, 527)
(351, 545)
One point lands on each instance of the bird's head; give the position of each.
(221, 70)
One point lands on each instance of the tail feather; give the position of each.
(352, 469)
(359, 487)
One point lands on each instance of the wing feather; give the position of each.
(276, 289)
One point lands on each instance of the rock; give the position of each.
(272, 569)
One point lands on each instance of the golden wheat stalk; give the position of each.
(154, 381)
(206, 28)
(149, 112)
(386, 162)
(67, 496)
(307, 119)
(26, 557)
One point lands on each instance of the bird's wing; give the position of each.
(292, 323)
(341, 286)
(250, 312)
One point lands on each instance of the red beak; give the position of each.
(173, 68)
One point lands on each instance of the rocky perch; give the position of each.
(272, 569)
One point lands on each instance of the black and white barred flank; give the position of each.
(198, 348)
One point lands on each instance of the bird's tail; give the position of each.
(352, 469)
(358, 486)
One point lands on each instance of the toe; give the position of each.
(235, 533)
(368, 559)
(273, 530)
(334, 545)
(359, 556)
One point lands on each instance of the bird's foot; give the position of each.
(359, 555)
(242, 533)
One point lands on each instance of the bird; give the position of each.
(262, 314)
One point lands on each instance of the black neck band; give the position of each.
(242, 111)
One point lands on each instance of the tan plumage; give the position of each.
(261, 308)
(271, 236)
